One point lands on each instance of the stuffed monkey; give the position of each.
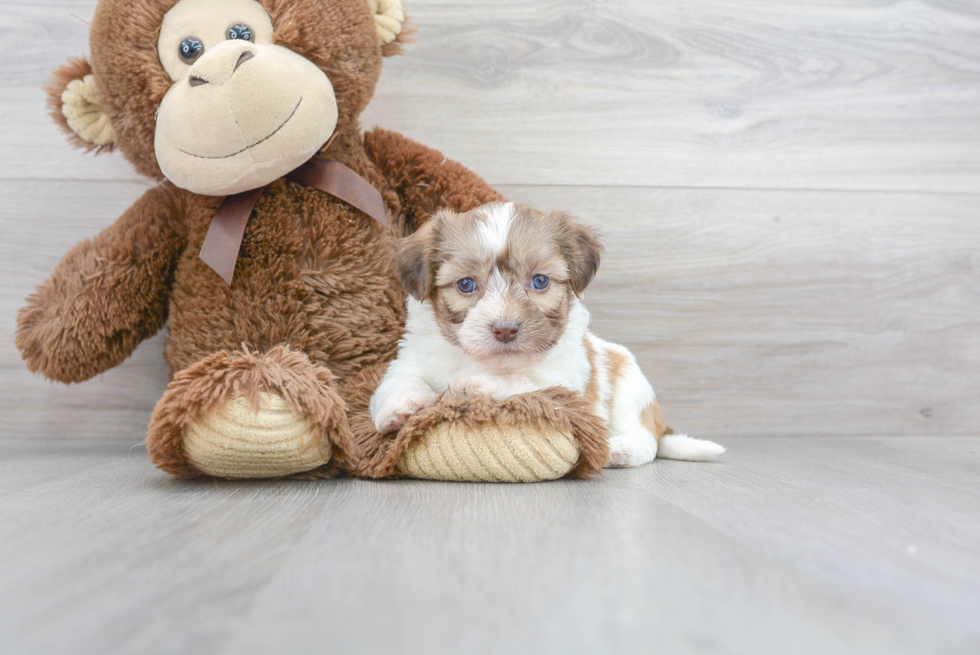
(267, 241)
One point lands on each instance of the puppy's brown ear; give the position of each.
(413, 261)
(582, 250)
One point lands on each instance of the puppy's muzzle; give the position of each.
(506, 330)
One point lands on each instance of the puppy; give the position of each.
(495, 310)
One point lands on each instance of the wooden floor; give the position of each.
(789, 192)
(831, 545)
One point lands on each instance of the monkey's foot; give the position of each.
(247, 415)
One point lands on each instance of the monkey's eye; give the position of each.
(190, 49)
(240, 31)
(467, 285)
(540, 282)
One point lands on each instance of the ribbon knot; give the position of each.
(224, 239)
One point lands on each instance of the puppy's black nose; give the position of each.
(506, 331)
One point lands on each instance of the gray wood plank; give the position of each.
(27, 463)
(615, 567)
(41, 222)
(753, 312)
(793, 313)
(772, 94)
(886, 515)
(118, 558)
(39, 36)
(785, 545)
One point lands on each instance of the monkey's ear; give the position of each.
(392, 25)
(73, 100)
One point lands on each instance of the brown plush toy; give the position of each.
(267, 250)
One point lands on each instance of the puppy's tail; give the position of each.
(681, 446)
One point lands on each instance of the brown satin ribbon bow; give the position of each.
(224, 239)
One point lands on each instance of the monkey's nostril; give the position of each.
(194, 80)
(506, 331)
(245, 57)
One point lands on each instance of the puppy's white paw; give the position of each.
(626, 450)
(395, 413)
(471, 387)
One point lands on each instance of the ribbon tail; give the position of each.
(224, 239)
(341, 182)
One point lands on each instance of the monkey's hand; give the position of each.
(106, 296)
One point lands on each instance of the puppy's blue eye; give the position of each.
(540, 282)
(466, 285)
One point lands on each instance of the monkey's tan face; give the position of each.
(242, 111)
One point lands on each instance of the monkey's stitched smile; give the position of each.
(259, 142)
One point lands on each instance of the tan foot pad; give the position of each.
(543, 435)
(490, 453)
(236, 441)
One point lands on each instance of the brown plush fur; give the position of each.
(107, 295)
(314, 311)
(407, 35)
(209, 383)
(555, 407)
(424, 179)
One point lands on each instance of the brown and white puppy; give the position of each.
(495, 310)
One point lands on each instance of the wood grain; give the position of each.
(784, 546)
(125, 573)
(788, 193)
(793, 313)
(41, 221)
(769, 94)
(753, 312)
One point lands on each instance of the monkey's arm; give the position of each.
(106, 296)
(425, 179)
